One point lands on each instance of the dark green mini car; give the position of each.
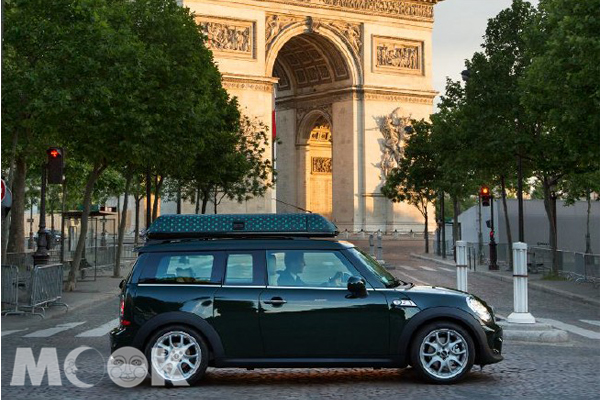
(255, 291)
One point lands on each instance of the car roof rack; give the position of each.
(212, 226)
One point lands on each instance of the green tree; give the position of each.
(562, 92)
(413, 181)
(498, 126)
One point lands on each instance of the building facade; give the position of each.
(343, 77)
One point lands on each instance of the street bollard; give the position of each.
(461, 265)
(379, 247)
(371, 246)
(521, 314)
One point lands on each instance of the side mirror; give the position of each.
(357, 286)
(122, 284)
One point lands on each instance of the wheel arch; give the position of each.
(213, 341)
(439, 314)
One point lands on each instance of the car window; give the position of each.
(308, 268)
(239, 269)
(179, 268)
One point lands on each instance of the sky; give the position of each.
(458, 33)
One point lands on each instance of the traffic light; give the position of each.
(55, 165)
(485, 195)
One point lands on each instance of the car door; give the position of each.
(308, 312)
(236, 304)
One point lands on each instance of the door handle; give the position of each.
(275, 301)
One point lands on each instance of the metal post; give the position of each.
(31, 241)
(371, 246)
(493, 246)
(380, 247)
(41, 256)
(461, 265)
(521, 313)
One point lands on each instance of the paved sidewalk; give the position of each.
(584, 292)
(86, 293)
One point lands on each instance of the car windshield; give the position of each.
(380, 272)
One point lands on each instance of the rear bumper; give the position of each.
(120, 337)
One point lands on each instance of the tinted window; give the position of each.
(239, 269)
(180, 268)
(308, 268)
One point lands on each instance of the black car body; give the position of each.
(285, 300)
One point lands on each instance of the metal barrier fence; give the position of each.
(10, 289)
(39, 289)
(579, 267)
(95, 256)
(46, 286)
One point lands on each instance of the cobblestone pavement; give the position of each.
(534, 371)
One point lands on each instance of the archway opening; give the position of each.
(312, 71)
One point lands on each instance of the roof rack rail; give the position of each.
(195, 226)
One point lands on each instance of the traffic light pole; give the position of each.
(41, 256)
(493, 246)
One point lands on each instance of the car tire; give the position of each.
(177, 355)
(442, 352)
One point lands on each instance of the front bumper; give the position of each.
(491, 345)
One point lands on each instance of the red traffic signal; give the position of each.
(55, 165)
(485, 195)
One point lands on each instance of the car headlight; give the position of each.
(479, 309)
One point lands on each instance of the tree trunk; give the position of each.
(455, 230)
(122, 223)
(157, 188)
(205, 198)
(550, 206)
(588, 238)
(16, 237)
(136, 235)
(6, 220)
(87, 203)
(198, 200)
(426, 231)
(215, 200)
(507, 222)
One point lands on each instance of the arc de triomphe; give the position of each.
(344, 77)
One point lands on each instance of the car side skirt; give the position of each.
(306, 362)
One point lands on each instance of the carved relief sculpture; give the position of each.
(397, 55)
(393, 130)
(274, 24)
(235, 37)
(321, 165)
(351, 32)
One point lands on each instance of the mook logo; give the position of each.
(126, 367)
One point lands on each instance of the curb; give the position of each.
(533, 285)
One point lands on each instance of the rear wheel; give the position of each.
(442, 352)
(177, 354)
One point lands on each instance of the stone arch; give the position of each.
(350, 54)
(307, 123)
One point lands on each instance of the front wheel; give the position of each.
(442, 352)
(177, 355)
